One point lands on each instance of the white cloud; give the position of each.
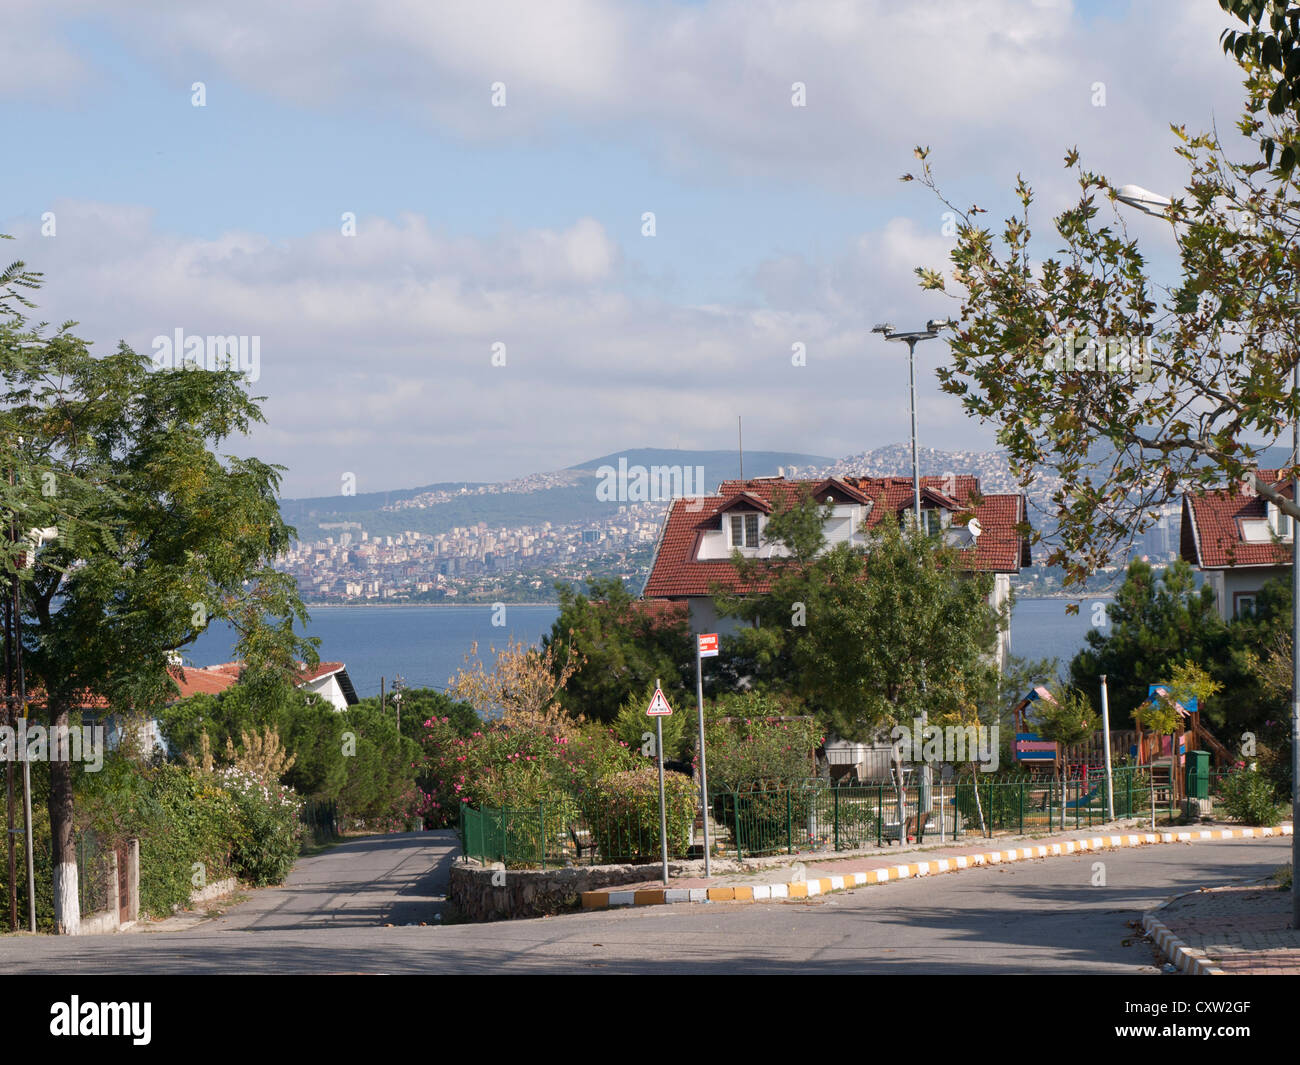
(708, 85)
(376, 350)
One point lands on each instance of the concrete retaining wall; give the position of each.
(487, 894)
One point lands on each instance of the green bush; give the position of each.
(999, 801)
(270, 833)
(187, 826)
(623, 813)
(1248, 796)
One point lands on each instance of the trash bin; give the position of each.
(1198, 774)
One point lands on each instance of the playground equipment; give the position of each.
(1029, 747)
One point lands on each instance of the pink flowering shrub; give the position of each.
(531, 763)
(755, 750)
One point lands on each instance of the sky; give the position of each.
(432, 216)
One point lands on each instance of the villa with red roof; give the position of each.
(693, 554)
(1238, 540)
(329, 680)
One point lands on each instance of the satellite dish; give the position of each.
(974, 528)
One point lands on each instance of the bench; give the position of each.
(910, 829)
(579, 845)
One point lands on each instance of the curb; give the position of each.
(1185, 959)
(600, 900)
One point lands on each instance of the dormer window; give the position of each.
(1279, 522)
(744, 530)
(934, 520)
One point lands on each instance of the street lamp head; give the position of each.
(935, 324)
(1144, 200)
(884, 327)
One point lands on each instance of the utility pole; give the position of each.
(11, 721)
(1105, 736)
(1295, 662)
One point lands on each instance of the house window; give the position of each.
(1279, 522)
(932, 521)
(744, 530)
(1243, 604)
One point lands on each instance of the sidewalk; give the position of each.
(803, 876)
(1242, 929)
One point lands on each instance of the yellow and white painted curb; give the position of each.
(802, 889)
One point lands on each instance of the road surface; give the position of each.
(1030, 916)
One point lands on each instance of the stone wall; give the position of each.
(492, 894)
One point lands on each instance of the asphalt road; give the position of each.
(1033, 916)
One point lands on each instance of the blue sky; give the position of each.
(522, 224)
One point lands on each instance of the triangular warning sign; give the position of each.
(658, 705)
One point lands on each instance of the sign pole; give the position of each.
(663, 813)
(704, 772)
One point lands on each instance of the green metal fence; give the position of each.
(559, 835)
(815, 816)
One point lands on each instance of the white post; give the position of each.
(1105, 731)
(704, 773)
(663, 815)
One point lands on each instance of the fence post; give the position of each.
(541, 812)
(837, 819)
(735, 818)
(505, 846)
(880, 812)
(1022, 807)
(789, 823)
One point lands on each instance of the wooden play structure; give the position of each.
(1164, 756)
(1029, 749)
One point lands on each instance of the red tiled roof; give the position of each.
(1212, 536)
(323, 670)
(212, 680)
(1001, 548)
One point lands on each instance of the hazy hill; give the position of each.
(560, 497)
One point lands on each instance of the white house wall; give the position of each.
(1247, 580)
(328, 689)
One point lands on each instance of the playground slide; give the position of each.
(1084, 800)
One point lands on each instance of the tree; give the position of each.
(1274, 48)
(623, 647)
(1067, 721)
(422, 704)
(871, 636)
(1154, 623)
(157, 534)
(524, 683)
(1129, 396)
(763, 653)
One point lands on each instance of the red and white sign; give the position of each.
(658, 705)
(708, 644)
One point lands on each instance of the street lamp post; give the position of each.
(930, 331)
(1153, 203)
